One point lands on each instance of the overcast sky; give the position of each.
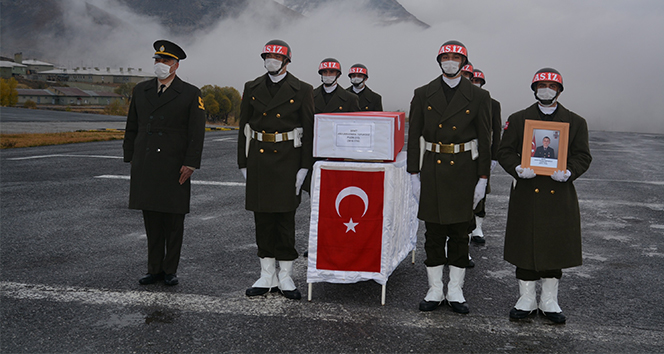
(609, 51)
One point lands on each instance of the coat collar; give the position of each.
(173, 91)
(562, 113)
(437, 100)
(288, 89)
(337, 100)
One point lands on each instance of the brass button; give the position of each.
(536, 190)
(454, 127)
(292, 101)
(261, 151)
(451, 163)
(253, 98)
(341, 108)
(275, 150)
(440, 125)
(468, 111)
(439, 162)
(264, 114)
(429, 108)
(553, 192)
(367, 107)
(278, 115)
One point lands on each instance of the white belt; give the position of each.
(295, 135)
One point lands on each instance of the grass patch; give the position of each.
(9, 141)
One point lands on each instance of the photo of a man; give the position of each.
(545, 150)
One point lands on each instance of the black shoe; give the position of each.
(171, 279)
(305, 254)
(520, 314)
(429, 305)
(459, 307)
(151, 278)
(478, 239)
(291, 294)
(555, 317)
(257, 291)
(471, 264)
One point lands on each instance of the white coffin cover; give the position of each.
(355, 137)
(399, 221)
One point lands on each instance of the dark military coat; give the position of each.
(543, 222)
(368, 99)
(548, 153)
(162, 135)
(496, 130)
(448, 180)
(272, 167)
(341, 101)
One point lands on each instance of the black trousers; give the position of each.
(275, 235)
(165, 232)
(532, 275)
(457, 245)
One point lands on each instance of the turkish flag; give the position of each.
(533, 147)
(350, 221)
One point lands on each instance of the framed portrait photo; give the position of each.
(545, 146)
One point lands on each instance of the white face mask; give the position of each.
(162, 70)
(546, 93)
(450, 67)
(356, 81)
(273, 66)
(478, 85)
(328, 80)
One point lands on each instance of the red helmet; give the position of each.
(277, 46)
(547, 74)
(478, 74)
(358, 69)
(455, 47)
(329, 64)
(468, 68)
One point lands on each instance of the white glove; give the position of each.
(244, 173)
(416, 184)
(480, 191)
(299, 179)
(525, 173)
(494, 163)
(561, 176)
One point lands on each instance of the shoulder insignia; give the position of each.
(507, 124)
(200, 103)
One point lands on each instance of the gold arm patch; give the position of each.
(200, 103)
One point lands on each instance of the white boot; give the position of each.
(477, 235)
(455, 290)
(286, 283)
(549, 301)
(435, 294)
(527, 303)
(268, 279)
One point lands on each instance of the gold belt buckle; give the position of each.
(446, 148)
(268, 137)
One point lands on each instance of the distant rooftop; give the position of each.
(9, 64)
(35, 62)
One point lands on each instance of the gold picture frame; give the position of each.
(542, 156)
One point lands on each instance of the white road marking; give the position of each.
(205, 183)
(64, 155)
(225, 139)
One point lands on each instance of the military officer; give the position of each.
(467, 71)
(164, 142)
(543, 233)
(274, 154)
(449, 159)
(329, 97)
(368, 99)
(545, 150)
(478, 79)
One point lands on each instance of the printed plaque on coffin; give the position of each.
(350, 221)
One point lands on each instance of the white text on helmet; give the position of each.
(453, 49)
(547, 77)
(328, 65)
(357, 71)
(274, 49)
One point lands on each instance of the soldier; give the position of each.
(467, 71)
(274, 154)
(164, 142)
(543, 233)
(478, 79)
(449, 152)
(328, 97)
(369, 100)
(545, 150)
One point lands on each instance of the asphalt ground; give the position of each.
(21, 120)
(71, 255)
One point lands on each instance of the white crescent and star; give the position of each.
(348, 191)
